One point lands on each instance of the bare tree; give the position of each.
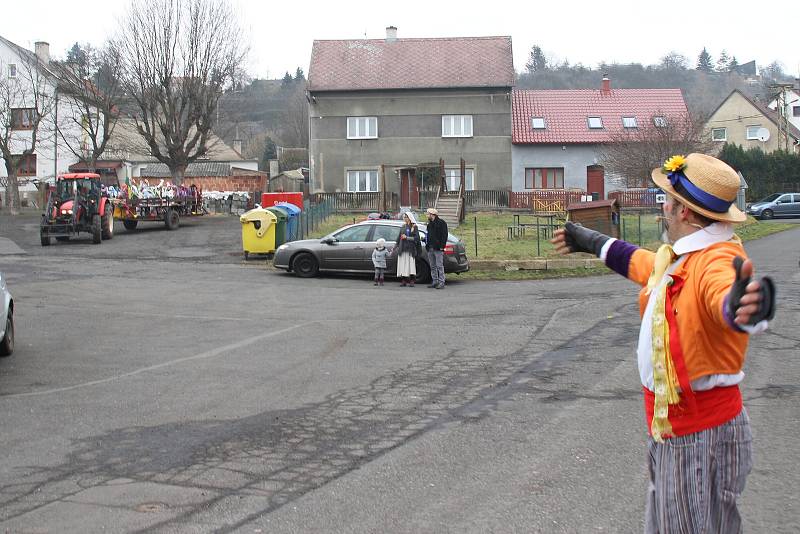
(177, 57)
(26, 105)
(631, 155)
(295, 118)
(92, 90)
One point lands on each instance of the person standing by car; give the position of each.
(379, 256)
(434, 244)
(407, 249)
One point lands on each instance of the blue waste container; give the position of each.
(293, 220)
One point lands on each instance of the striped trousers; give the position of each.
(696, 479)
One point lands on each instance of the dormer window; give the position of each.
(629, 122)
(660, 122)
(537, 123)
(595, 122)
(12, 70)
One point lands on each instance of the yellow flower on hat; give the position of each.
(675, 163)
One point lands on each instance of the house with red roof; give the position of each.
(557, 134)
(396, 104)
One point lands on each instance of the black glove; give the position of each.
(580, 239)
(766, 309)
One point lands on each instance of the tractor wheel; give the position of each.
(172, 220)
(97, 230)
(108, 224)
(45, 239)
(130, 225)
(305, 265)
(7, 343)
(62, 238)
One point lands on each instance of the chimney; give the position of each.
(391, 34)
(237, 146)
(606, 87)
(43, 51)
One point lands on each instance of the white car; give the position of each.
(7, 324)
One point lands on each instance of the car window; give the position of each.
(796, 199)
(389, 233)
(785, 198)
(353, 234)
(770, 198)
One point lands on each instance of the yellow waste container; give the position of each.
(258, 232)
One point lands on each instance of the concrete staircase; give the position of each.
(449, 206)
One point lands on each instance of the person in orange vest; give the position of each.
(698, 305)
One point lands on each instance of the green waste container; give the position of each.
(258, 232)
(281, 226)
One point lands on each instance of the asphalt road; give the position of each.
(162, 385)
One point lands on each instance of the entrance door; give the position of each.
(595, 181)
(409, 190)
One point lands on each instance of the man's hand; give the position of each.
(575, 238)
(750, 301)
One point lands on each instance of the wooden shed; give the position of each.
(600, 215)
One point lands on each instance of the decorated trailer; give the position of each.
(163, 203)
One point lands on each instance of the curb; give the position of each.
(540, 264)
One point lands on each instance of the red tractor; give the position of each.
(77, 204)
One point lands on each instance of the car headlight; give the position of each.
(283, 247)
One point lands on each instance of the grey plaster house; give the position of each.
(399, 103)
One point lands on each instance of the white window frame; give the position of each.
(660, 121)
(631, 122)
(353, 178)
(538, 123)
(453, 177)
(355, 125)
(714, 136)
(753, 137)
(460, 123)
(12, 70)
(594, 122)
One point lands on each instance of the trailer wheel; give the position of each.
(130, 225)
(62, 238)
(97, 230)
(108, 223)
(172, 220)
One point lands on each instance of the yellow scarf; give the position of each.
(665, 378)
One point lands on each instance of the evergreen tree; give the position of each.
(723, 63)
(287, 80)
(299, 75)
(270, 152)
(732, 64)
(704, 62)
(537, 62)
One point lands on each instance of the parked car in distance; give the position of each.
(7, 323)
(349, 250)
(776, 205)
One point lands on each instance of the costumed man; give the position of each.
(698, 305)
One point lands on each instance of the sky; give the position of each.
(281, 33)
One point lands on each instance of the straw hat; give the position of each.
(704, 184)
(432, 211)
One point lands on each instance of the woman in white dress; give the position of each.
(407, 248)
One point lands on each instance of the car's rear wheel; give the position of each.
(7, 344)
(423, 272)
(767, 214)
(305, 265)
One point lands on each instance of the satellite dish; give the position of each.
(763, 135)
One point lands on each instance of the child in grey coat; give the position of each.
(379, 257)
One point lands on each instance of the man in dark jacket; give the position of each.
(434, 244)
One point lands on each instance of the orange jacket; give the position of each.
(710, 345)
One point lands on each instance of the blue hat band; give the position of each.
(687, 189)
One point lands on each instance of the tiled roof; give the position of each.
(199, 168)
(353, 65)
(566, 112)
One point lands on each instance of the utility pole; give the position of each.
(783, 116)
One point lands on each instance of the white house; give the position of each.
(28, 85)
(791, 106)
